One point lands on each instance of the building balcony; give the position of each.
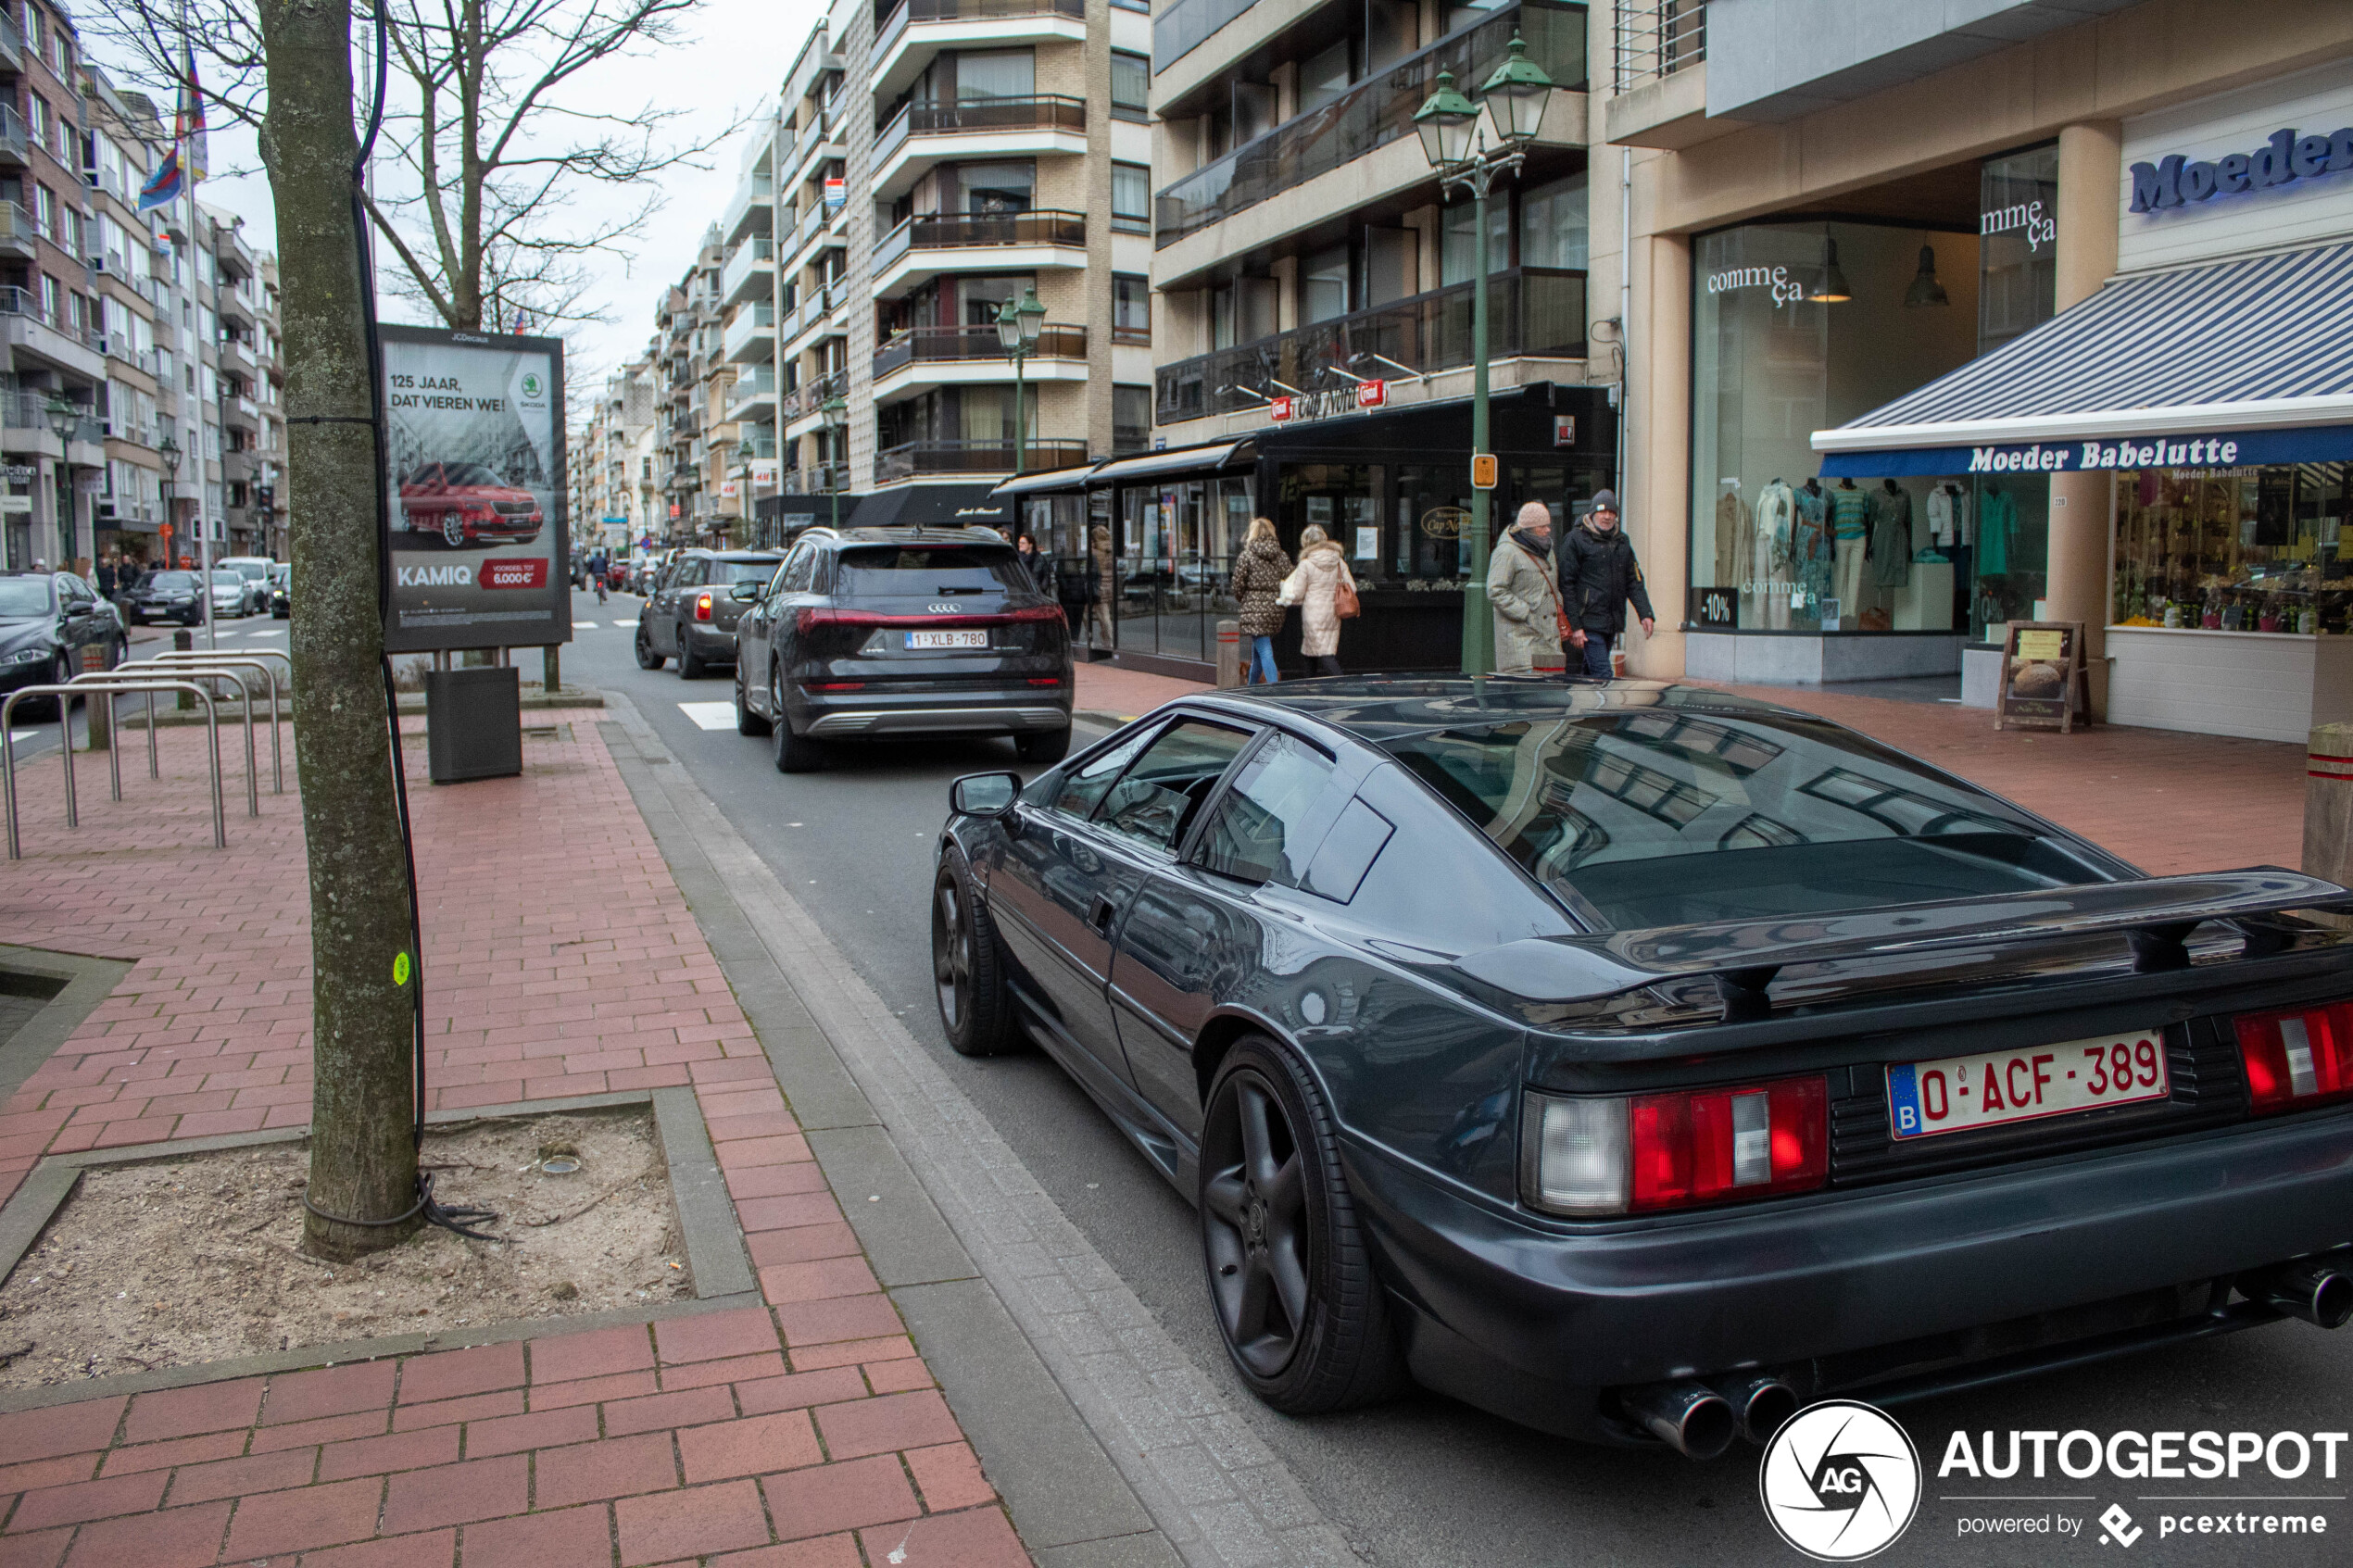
(1531, 312)
(15, 229)
(752, 334)
(751, 209)
(1371, 115)
(818, 478)
(234, 302)
(923, 247)
(16, 142)
(944, 459)
(924, 358)
(11, 44)
(754, 395)
(1658, 83)
(949, 131)
(802, 409)
(236, 358)
(749, 271)
(916, 30)
(25, 420)
(58, 345)
(241, 412)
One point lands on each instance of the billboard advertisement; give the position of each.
(476, 530)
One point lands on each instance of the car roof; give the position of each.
(1377, 710)
(912, 534)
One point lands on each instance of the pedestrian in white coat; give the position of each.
(1314, 586)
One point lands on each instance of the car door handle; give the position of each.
(1099, 914)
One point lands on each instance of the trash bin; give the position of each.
(473, 723)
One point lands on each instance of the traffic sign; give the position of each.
(1483, 471)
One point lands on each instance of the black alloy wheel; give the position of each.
(795, 754)
(643, 647)
(968, 976)
(1303, 1315)
(690, 664)
(746, 722)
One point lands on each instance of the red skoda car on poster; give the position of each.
(466, 503)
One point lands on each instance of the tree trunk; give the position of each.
(362, 1162)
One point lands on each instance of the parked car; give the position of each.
(692, 616)
(462, 504)
(1638, 1062)
(873, 632)
(47, 621)
(282, 591)
(255, 571)
(167, 595)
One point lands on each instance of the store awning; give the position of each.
(960, 505)
(1053, 482)
(2231, 364)
(1181, 462)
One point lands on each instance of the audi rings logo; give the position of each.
(943, 609)
(1840, 1482)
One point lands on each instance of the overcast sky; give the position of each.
(733, 60)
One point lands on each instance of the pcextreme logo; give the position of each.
(1841, 1481)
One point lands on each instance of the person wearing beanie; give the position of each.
(1599, 576)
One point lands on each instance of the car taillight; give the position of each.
(833, 686)
(702, 607)
(1675, 1150)
(2296, 1059)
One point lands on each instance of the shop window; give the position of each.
(1131, 85)
(2234, 549)
(1131, 199)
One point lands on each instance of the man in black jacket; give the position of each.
(1599, 576)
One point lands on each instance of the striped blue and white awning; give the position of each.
(2232, 364)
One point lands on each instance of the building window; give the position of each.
(1131, 418)
(1323, 284)
(1552, 225)
(1131, 200)
(1131, 85)
(1131, 308)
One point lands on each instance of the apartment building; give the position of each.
(1310, 311)
(611, 469)
(245, 386)
(2042, 298)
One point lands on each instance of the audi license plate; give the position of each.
(1928, 1097)
(946, 639)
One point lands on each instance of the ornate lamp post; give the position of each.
(169, 450)
(63, 416)
(1456, 144)
(837, 412)
(1017, 330)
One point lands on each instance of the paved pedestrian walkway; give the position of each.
(2165, 801)
(561, 958)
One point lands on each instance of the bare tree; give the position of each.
(485, 152)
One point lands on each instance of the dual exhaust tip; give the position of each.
(1700, 1421)
(2310, 1289)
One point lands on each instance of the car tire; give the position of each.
(1292, 1283)
(690, 664)
(795, 754)
(61, 673)
(647, 658)
(967, 967)
(117, 653)
(746, 722)
(453, 531)
(1043, 745)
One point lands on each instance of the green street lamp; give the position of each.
(1017, 330)
(835, 410)
(1453, 140)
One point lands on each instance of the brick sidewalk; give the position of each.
(560, 959)
(2165, 801)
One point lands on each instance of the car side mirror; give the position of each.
(983, 794)
(745, 592)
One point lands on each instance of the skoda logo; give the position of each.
(1840, 1481)
(532, 385)
(943, 609)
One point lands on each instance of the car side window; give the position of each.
(1157, 798)
(1081, 788)
(1256, 835)
(691, 574)
(798, 571)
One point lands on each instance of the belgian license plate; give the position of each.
(946, 639)
(1928, 1097)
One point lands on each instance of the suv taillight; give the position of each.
(2296, 1059)
(1648, 1152)
(702, 606)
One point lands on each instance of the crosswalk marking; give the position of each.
(584, 625)
(710, 715)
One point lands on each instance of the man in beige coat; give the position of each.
(1521, 590)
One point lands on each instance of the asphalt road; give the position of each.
(1427, 1482)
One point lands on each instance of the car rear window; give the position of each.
(874, 570)
(742, 570)
(1664, 818)
(170, 582)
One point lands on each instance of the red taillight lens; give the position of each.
(1045, 680)
(702, 607)
(1704, 1146)
(833, 686)
(2297, 1059)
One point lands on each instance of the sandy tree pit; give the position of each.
(195, 1260)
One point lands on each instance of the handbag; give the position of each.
(1345, 604)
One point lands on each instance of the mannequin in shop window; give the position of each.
(1810, 548)
(1996, 520)
(1776, 506)
(1850, 528)
(1890, 545)
(1731, 534)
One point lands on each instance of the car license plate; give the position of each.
(946, 639)
(1928, 1097)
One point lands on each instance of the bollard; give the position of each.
(551, 673)
(2328, 810)
(184, 642)
(1229, 653)
(97, 712)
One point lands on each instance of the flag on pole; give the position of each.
(166, 185)
(189, 131)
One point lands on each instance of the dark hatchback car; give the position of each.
(1639, 1061)
(878, 632)
(693, 612)
(47, 621)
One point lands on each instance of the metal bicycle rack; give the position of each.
(65, 695)
(256, 658)
(103, 681)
